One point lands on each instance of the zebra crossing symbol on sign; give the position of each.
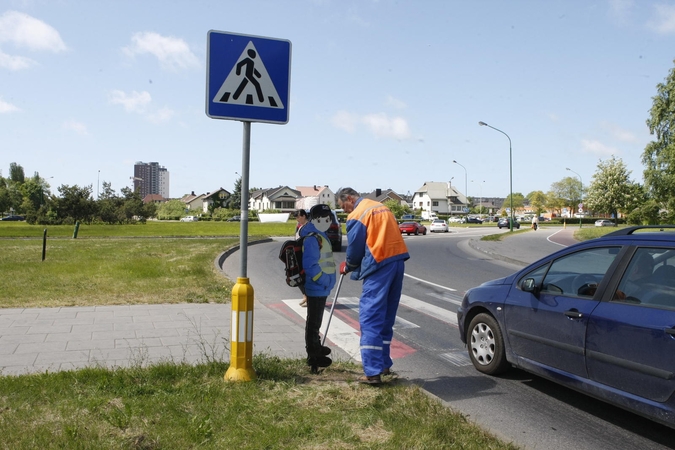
(248, 78)
(248, 83)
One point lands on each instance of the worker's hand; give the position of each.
(344, 268)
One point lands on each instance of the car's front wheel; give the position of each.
(486, 345)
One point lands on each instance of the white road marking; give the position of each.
(430, 283)
(340, 333)
(444, 315)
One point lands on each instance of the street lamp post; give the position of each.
(581, 192)
(483, 124)
(466, 189)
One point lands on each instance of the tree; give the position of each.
(75, 204)
(234, 200)
(537, 201)
(5, 200)
(611, 191)
(16, 173)
(659, 156)
(518, 202)
(173, 209)
(396, 207)
(568, 192)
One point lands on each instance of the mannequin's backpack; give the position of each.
(291, 256)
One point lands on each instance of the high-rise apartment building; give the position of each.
(151, 178)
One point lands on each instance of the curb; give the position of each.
(220, 259)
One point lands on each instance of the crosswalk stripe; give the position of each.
(434, 311)
(343, 335)
(457, 357)
(353, 303)
(444, 298)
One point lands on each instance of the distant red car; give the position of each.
(412, 228)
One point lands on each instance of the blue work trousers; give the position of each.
(377, 313)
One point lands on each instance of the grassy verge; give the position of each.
(500, 236)
(149, 229)
(174, 406)
(111, 271)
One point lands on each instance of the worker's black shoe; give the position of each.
(314, 362)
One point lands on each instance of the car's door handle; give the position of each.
(670, 331)
(573, 314)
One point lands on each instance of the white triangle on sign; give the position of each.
(248, 83)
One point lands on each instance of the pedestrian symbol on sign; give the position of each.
(248, 83)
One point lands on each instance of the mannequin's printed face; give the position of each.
(322, 223)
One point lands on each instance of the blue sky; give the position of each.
(384, 94)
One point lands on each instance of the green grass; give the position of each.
(149, 229)
(112, 271)
(178, 406)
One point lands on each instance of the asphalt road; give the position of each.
(518, 407)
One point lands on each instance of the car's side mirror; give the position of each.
(529, 285)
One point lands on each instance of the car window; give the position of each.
(649, 279)
(578, 274)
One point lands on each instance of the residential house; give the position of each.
(205, 202)
(282, 198)
(154, 198)
(314, 195)
(440, 197)
(382, 196)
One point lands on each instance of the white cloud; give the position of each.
(77, 127)
(23, 30)
(379, 124)
(140, 103)
(7, 107)
(597, 148)
(172, 53)
(395, 103)
(664, 19)
(15, 62)
(345, 121)
(619, 133)
(134, 102)
(383, 126)
(162, 115)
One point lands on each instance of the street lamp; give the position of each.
(581, 194)
(98, 177)
(466, 189)
(483, 124)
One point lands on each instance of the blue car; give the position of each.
(597, 317)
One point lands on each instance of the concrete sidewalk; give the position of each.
(55, 339)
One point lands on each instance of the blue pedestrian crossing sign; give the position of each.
(247, 77)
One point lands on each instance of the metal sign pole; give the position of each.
(241, 345)
(245, 167)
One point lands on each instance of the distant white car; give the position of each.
(438, 225)
(454, 219)
(190, 219)
(604, 223)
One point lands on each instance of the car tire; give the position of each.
(424, 233)
(337, 247)
(486, 345)
(417, 232)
